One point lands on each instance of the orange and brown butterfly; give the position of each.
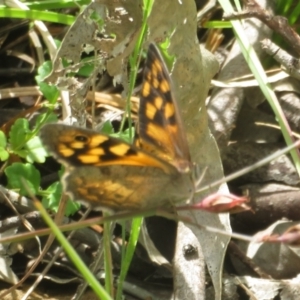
(111, 174)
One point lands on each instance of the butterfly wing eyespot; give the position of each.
(81, 138)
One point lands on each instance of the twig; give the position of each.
(277, 23)
(289, 63)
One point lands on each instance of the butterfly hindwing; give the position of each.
(120, 188)
(160, 125)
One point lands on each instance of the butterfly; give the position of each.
(108, 173)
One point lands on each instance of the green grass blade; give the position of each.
(83, 269)
(34, 15)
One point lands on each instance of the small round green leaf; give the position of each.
(23, 177)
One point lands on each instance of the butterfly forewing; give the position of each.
(160, 126)
(76, 147)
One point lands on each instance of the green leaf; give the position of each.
(87, 67)
(124, 135)
(30, 175)
(25, 144)
(19, 134)
(51, 201)
(45, 118)
(107, 128)
(3, 141)
(36, 151)
(94, 16)
(43, 71)
(50, 92)
(4, 155)
(164, 47)
(57, 43)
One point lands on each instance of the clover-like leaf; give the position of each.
(3, 143)
(19, 134)
(23, 177)
(51, 200)
(36, 151)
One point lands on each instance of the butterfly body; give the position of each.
(156, 171)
